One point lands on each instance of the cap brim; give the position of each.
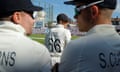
(35, 8)
(73, 2)
(70, 2)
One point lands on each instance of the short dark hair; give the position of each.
(62, 17)
(5, 14)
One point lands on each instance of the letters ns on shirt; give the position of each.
(7, 58)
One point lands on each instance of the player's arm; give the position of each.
(68, 36)
(46, 39)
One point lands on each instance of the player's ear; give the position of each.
(94, 11)
(16, 17)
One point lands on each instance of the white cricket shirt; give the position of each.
(57, 39)
(98, 51)
(18, 53)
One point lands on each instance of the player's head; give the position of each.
(19, 12)
(62, 18)
(88, 12)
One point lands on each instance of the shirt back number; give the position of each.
(54, 45)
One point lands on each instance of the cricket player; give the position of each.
(19, 53)
(99, 49)
(57, 38)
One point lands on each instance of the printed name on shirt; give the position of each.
(7, 58)
(110, 60)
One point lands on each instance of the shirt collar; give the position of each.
(7, 25)
(60, 26)
(103, 28)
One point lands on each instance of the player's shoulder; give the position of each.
(33, 43)
(81, 41)
(66, 30)
(37, 45)
(86, 42)
(38, 48)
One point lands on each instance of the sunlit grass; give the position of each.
(42, 36)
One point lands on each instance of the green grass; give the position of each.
(75, 37)
(38, 36)
(34, 36)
